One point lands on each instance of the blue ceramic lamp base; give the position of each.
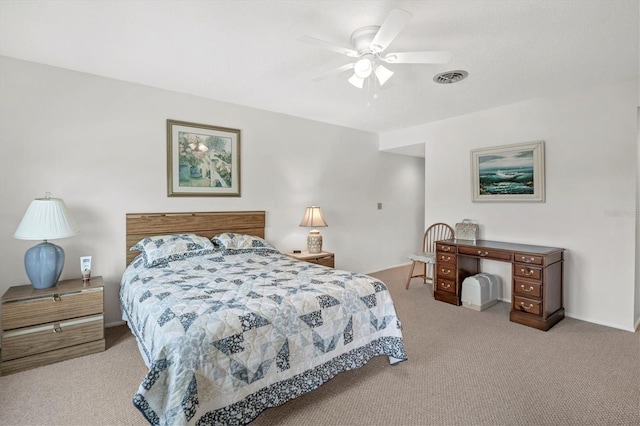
(44, 264)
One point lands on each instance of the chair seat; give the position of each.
(423, 257)
(436, 232)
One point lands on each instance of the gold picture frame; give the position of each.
(202, 160)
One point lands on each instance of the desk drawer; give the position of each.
(525, 271)
(527, 288)
(446, 271)
(528, 258)
(530, 306)
(445, 248)
(485, 254)
(449, 259)
(446, 285)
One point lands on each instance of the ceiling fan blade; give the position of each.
(334, 71)
(391, 27)
(329, 46)
(432, 57)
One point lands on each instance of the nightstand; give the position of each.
(43, 326)
(324, 258)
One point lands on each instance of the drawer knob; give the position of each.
(445, 271)
(56, 298)
(528, 259)
(445, 258)
(482, 253)
(443, 285)
(526, 289)
(57, 328)
(527, 272)
(526, 307)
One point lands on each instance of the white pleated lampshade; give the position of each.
(313, 218)
(46, 219)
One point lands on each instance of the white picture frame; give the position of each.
(508, 173)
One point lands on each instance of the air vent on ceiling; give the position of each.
(450, 77)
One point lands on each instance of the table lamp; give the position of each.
(313, 219)
(46, 219)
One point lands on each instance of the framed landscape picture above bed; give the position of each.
(202, 160)
(508, 173)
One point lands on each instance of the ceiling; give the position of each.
(246, 52)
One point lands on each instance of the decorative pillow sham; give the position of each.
(230, 243)
(162, 249)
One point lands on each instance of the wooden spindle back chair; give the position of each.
(436, 232)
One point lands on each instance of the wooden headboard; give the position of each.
(207, 224)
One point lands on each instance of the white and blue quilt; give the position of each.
(227, 336)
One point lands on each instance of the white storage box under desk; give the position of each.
(479, 292)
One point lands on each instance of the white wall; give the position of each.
(100, 144)
(637, 306)
(591, 164)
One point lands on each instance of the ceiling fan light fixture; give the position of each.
(383, 74)
(363, 68)
(368, 46)
(356, 81)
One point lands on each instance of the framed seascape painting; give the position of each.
(508, 173)
(202, 160)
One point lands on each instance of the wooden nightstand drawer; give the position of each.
(325, 261)
(324, 258)
(45, 358)
(42, 338)
(51, 308)
(43, 326)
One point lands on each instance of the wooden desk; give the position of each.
(536, 277)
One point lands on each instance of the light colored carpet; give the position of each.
(464, 368)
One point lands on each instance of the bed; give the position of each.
(233, 327)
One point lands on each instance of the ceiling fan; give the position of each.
(369, 44)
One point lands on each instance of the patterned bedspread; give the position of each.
(226, 337)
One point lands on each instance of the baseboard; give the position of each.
(402, 265)
(603, 323)
(115, 323)
(633, 330)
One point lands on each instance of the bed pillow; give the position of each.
(162, 249)
(230, 243)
